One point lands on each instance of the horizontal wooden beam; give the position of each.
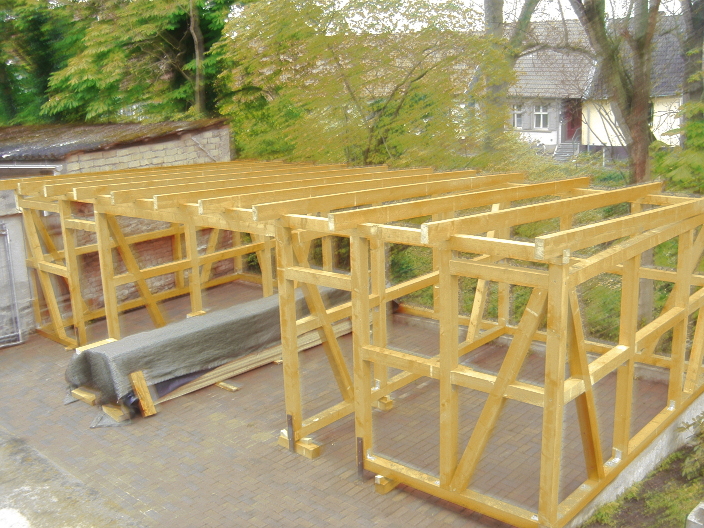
(319, 277)
(496, 247)
(166, 197)
(34, 185)
(606, 260)
(176, 181)
(435, 232)
(82, 225)
(550, 246)
(263, 195)
(500, 273)
(393, 212)
(53, 268)
(422, 366)
(230, 253)
(364, 194)
(495, 508)
(39, 205)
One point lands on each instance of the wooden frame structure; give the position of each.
(470, 230)
(554, 266)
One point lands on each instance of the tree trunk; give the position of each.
(629, 93)
(8, 99)
(199, 47)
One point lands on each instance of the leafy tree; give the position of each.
(683, 167)
(36, 38)
(361, 82)
(143, 58)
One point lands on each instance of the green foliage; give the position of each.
(693, 466)
(662, 500)
(683, 168)
(605, 515)
(511, 153)
(354, 81)
(137, 59)
(36, 38)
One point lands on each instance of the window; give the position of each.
(541, 116)
(517, 116)
(651, 114)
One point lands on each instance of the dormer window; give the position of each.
(540, 115)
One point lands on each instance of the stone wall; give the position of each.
(191, 147)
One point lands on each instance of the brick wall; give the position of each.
(196, 147)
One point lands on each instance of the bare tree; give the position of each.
(625, 55)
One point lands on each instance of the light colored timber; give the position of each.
(171, 195)
(119, 413)
(393, 189)
(483, 222)
(304, 199)
(548, 246)
(85, 394)
(300, 204)
(425, 207)
(141, 390)
(154, 186)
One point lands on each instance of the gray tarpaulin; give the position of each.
(187, 346)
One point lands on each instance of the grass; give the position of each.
(662, 500)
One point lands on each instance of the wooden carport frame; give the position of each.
(297, 204)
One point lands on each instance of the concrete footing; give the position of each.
(669, 441)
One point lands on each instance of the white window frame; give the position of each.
(517, 116)
(541, 119)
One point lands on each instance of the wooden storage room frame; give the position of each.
(550, 265)
(296, 204)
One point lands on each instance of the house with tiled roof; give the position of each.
(560, 100)
(667, 78)
(552, 79)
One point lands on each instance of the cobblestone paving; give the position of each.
(211, 459)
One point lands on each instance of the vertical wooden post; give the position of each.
(107, 274)
(359, 264)
(194, 277)
(237, 261)
(73, 275)
(553, 411)
(264, 257)
(679, 332)
(177, 251)
(504, 289)
(449, 335)
(327, 253)
(630, 286)
(379, 323)
(289, 343)
(436, 265)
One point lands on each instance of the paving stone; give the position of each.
(211, 459)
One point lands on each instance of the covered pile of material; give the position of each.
(191, 345)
